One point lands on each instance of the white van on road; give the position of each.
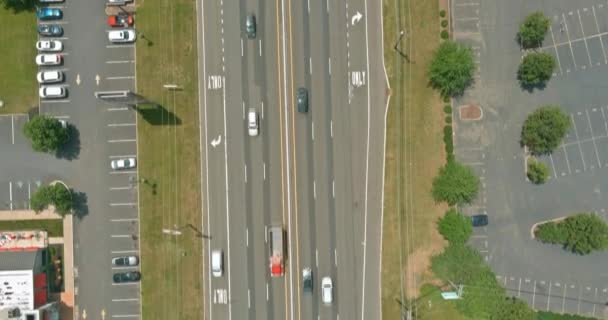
(217, 263)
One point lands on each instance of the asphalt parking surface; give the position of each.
(110, 227)
(545, 276)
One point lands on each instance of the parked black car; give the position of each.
(479, 220)
(131, 276)
(307, 279)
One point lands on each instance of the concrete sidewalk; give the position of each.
(67, 297)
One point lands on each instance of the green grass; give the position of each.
(18, 68)
(431, 305)
(168, 149)
(54, 227)
(414, 135)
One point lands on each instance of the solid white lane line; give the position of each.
(242, 49)
(264, 170)
(227, 198)
(310, 65)
(327, 5)
(336, 257)
(121, 140)
(317, 257)
(247, 236)
(13, 128)
(245, 173)
(267, 292)
(249, 298)
(243, 110)
(329, 66)
(10, 191)
(260, 47)
(262, 103)
(331, 128)
(314, 189)
(333, 190)
(308, 1)
(313, 131)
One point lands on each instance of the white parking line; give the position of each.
(594, 145)
(124, 251)
(123, 172)
(120, 236)
(121, 124)
(124, 268)
(124, 220)
(125, 316)
(583, 32)
(10, 190)
(118, 109)
(556, 53)
(121, 140)
(120, 78)
(578, 142)
(126, 284)
(120, 61)
(466, 4)
(604, 117)
(598, 31)
(123, 156)
(569, 42)
(567, 160)
(124, 300)
(260, 41)
(113, 46)
(13, 128)
(61, 117)
(55, 101)
(468, 19)
(242, 48)
(121, 188)
(553, 166)
(123, 204)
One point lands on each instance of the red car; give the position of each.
(120, 20)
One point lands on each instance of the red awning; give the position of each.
(40, 281)
(40, 297)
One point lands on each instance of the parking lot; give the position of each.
(91, 63)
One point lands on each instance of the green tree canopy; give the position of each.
(455, 227)
(538, 172)
(580, 233)
(57, 195)
(455, 184)
(532, 31)
(536, 69)
(451, 69)
(46, 134)
(544, 129)
(513, 309)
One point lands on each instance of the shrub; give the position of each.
(57, 195)
(455, 184)
(513, 309)
(446, 99)
(442, 13)
(448, 119)
(447, 109)
(532, 31)
(537, 171)
(544, 129)
(536, 69)
(451, 69)
(455, 227)
(444, 34)
(444, 23)
(449, 148)
(45, 133)
(447, 134)
(580, 233)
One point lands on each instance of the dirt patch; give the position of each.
(470, 112)
(420, 264)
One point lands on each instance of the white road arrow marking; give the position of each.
(97, 79)
(78, 79)
(216, 142)
(84, 314)
(356, 18)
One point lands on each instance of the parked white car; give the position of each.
(126, 163)
(118, 2)
(126, 261)
(49, 45)
(48, 59)
(121, 36)
(52, 92)
(52, 76)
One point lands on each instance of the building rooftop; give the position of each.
(17, 289)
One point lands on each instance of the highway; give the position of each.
(319, 175)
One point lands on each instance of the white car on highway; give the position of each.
(52, 76)
(52, 92)
(326, 290)
(121, 36)
(48, 59)
(253, 127)
(126, 163)
(49, 45)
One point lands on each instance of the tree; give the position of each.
(57, 195)
(536, 69)
(513, 309)
(46, 134)
(451, 68)
(532, 31)
(455, 227)
(455, 184)
(544, 129)
(19, 5)
(580, 233)
(537, 171)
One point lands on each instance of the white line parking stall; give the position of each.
(588, 301)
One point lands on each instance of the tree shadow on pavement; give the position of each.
(79, 204)
(71, 149)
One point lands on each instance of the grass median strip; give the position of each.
(414, 154)
(18, 69)
(54, 227)
(169, 160)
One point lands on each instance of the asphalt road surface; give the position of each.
(318, 175)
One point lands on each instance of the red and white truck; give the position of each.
(277, 266)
